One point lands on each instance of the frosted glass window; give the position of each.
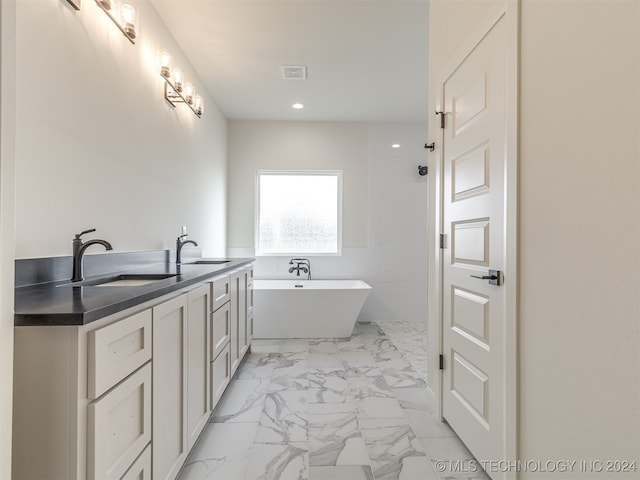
(299, 213)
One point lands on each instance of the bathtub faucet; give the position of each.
(298, 264)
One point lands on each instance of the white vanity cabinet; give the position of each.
(83, 399)
(127, 396)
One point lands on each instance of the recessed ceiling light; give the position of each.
(297, 106)
(395, 145)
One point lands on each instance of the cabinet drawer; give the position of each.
(220, 329)
(116, 350)
(119, 426)
(220, 288)
(220, 375)
(141, 468)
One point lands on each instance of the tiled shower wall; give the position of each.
(384, 240)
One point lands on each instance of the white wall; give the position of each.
(98, 146)
(579, 221)
(7, 185)
(384, 203)
(580, 231)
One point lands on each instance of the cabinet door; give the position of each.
(169, 387)
(119, 426)
(249, 305)
(234, 276)
(220, 375)
(242, 312)
(220, 329)
(198, 363)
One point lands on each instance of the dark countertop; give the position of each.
(62, 303)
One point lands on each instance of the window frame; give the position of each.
(256, 223)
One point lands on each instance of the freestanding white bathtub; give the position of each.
(307, 308)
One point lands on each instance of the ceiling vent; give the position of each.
(294, 72)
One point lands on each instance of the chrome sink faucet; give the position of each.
(78, 252)
(180, 242)
(300, 264)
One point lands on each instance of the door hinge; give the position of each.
(442, 240)
(441, 360)
(441, 118)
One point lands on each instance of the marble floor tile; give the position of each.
(334, 436)
(415, 403)
(222, 452)
(288, 461)
(362, 388)
(327, 386)
(378, 407)
(362, 371)
(325, 345)
(351, 344)
(257, 365)
(395, 452)
(410, 337)
(357, 358)
(290, 374)
(400, 374)
(445, 448)
(323, 360)
(381, 346)
(242, 401)
(346, 472)
(284, 418)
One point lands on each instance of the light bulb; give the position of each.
(177, 79)
(199, 104)
(297, 106)
(128, 15)
(188, 93)
(165, 60)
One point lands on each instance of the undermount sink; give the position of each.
(207, 262)
(124, 280)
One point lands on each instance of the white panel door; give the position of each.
(474, 213)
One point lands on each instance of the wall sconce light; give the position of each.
(124, 15)
(177, 79)
(176, 90)
(188, 93)
(165, 61)
(199, 105)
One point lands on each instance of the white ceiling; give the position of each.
(366, 59)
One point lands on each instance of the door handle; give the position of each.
(494, 277)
